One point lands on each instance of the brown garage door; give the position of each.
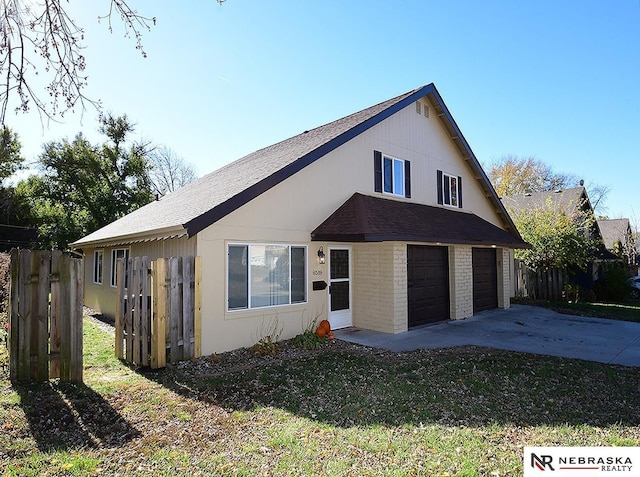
(427, 284)
(485, 279)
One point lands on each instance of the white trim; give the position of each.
(448, 177)
(112, 270)
(101, 278)
(341, 318)
(266, 244)
(393, 175)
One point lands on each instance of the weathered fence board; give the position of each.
(541, 284)
(158, 311)
(45, 316)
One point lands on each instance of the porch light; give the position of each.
(321, 255)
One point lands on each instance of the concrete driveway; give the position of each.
(523, 328)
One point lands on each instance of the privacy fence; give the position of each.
(540, 283)
(45, 316)
(158, 312)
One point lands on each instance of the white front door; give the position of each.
(340, 287)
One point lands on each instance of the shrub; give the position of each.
(308, 340)
(612, 284)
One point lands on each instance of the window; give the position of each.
(266, 275)
(98, 259)
(449, 190)
(392, 176)
(116, 254)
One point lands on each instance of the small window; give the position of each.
(418, 107)
(98, 259)
(449, 190)
(116, 254)
(391, 175)
(266, 275)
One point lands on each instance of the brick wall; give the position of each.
(504, 277)
(380, 286)
(460, 282)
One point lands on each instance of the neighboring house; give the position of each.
(573, 202)
(618, 238)
(388, 207)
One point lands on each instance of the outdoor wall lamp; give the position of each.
(321, 255)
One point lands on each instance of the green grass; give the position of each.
(458, 412)
(626, 310)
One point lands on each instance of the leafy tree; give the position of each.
(11, 159)
(168, 171)
(83, 187)
(558, 239)
(513, 175)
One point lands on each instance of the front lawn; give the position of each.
(626, 310)
(340, 410)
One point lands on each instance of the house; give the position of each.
(618, 238)
(573, 202)
(383, 220)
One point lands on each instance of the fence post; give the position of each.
(56, 327)
(197, 317)
(188, 306)
(14, 315)
(120, 308)
(144, 311)
(159, 313)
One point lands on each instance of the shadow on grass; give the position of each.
(467, 386)
(66, 416)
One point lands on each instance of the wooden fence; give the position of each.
(158, 310)
(540, 284)
(45, 316)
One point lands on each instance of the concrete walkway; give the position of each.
(520, 328)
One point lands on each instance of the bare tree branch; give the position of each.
(29, 30)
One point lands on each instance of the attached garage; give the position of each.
(485, 279)
(427, 284)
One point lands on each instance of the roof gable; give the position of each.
(205, 201)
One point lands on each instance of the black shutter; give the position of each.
(407, 179)
(460, 192)
(377, 170)
(439, 187)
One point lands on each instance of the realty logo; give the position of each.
(541, 462)
(581, 461)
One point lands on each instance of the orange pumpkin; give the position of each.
(321, 332)
(330, 335)
(326, 325)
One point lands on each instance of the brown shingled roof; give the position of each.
(364, 218)
(200, 204)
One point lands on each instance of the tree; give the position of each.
(168, 171)
(83, 187)
(41, 38)
(11, 159)
(512, 175)
(558, 239)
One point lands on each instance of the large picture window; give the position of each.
(116, 254)
(261, 275)
(98, 260)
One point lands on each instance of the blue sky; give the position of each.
(555, 79)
